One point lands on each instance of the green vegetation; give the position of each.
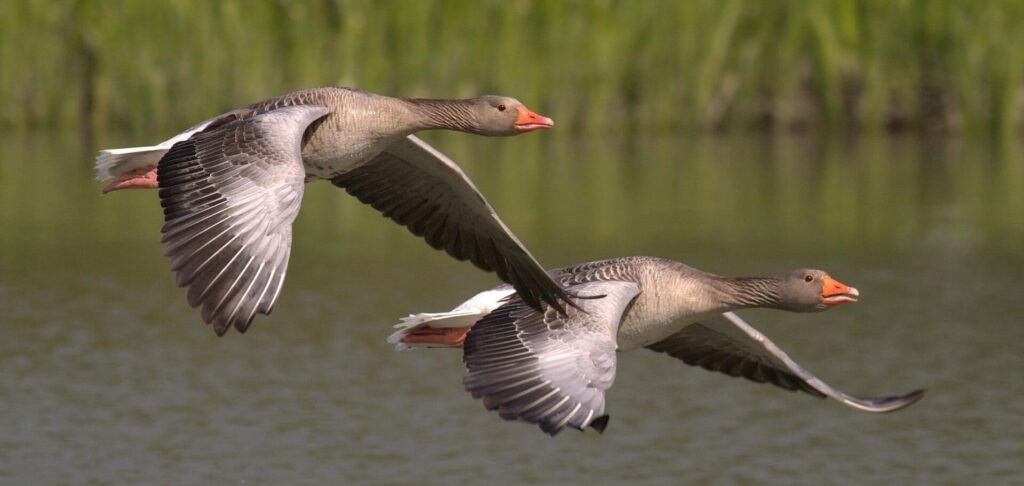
(596, 66)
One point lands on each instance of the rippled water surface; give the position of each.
(108, 377)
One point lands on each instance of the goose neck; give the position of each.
(443, 114)
(749, 292)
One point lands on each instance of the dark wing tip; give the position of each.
(547, 428)
(600, 423)
(899, 402)
(242, 326)
(220, 329)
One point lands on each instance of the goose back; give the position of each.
(360, 125)
(671, 296)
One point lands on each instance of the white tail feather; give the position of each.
(465, 315)
(114, 162)
(436, 320)
(111, 163)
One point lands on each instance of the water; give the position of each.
(108, 376)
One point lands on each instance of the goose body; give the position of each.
(231, 186)
(552, 369)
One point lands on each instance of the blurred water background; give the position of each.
(109, 378)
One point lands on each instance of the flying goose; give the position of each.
(553, 369)
(231, 186)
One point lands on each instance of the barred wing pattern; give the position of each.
(727, 344)
(230, 195)
(422, 189)
(547, 368)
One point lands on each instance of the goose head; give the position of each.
(502, 116)
(810, 290)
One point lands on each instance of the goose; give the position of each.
(231, 186)
(552, 369)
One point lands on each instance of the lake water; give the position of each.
(108, 377)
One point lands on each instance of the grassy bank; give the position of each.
(595, 66)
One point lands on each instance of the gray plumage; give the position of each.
(552, 370)
(728, 344)
(229, 197)
(711, 345)
(232, 188)
(547, 368)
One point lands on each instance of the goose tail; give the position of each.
(447, 329)
(112, 163)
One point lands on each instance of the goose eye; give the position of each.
(501, 107)
(808, 278)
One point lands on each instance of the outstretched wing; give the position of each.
(230, 194)
(422, 189)
(548, 368)
(727, 344)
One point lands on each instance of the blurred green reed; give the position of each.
(596, 66)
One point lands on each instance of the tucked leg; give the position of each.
(141, 178)
(451, 337)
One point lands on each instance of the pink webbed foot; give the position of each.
(142, 178)
(450, 337)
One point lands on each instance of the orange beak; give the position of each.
(834, 292)
(529, 121)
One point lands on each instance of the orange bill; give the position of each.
(834, 292)
(529, 121)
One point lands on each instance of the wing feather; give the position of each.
(230, 194)
(548, 368)
(425, 191)
(727, 344)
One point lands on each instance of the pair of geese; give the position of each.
(541, 349)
